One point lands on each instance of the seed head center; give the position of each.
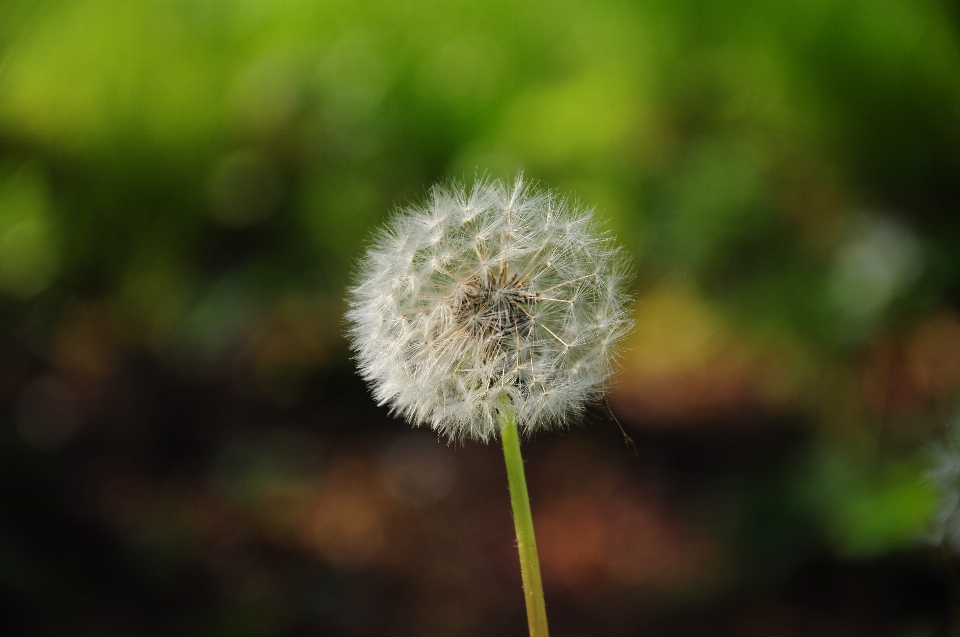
(497, 306)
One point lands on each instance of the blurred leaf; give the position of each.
(29, 250)
(868, 510)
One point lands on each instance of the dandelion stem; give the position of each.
(523, 520)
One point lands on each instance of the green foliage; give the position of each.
(864, 509)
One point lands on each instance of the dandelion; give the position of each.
(494, 291)
(484, 310)
(944, 475)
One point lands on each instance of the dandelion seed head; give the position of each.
(943, 474)
(499, 289)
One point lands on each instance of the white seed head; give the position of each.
(489, 291)
(943, 473)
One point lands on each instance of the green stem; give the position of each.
(523, 520)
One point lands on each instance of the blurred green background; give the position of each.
(185, 447)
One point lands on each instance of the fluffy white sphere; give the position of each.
(494, 290)
(944, 476)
